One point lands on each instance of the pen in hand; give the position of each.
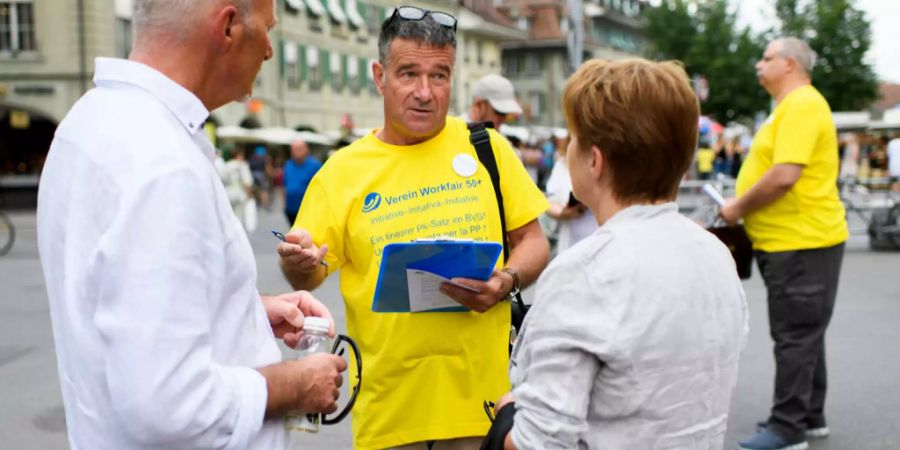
(280, 237)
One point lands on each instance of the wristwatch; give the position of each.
(516, 288)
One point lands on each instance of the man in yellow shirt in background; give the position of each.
(705, 157)
(787, 195)
(426, 374)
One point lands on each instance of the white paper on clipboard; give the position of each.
(425, 291)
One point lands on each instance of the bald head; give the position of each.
(176, 18)
(797, 50)
(787, 63)
(213, 48)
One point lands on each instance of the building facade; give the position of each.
(320, 77)
(540, 65)
(47, 51)
(482, 32)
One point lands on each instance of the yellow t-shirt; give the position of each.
(705, 158)
(425, 374)
(799, 131)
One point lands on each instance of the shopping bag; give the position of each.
(738, 243)
(250, 219)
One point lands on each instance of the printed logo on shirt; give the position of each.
(372, 202)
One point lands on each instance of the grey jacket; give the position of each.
(633, 341)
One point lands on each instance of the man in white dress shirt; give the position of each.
(162, 338)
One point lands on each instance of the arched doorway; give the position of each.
(25, 137)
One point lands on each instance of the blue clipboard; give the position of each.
(450, 259)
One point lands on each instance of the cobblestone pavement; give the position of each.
(863, 406)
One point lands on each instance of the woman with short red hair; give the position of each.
(635, 334)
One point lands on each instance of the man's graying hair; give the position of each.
(799, 51)
(425, 31)
(174, 17)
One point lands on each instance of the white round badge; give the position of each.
(465, 165)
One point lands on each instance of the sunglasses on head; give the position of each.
(414, 13)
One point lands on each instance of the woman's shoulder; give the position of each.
(598, 257)
(577, 292)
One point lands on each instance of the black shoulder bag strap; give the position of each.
(481, 140)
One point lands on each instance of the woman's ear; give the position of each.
(596, 162)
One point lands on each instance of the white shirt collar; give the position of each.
(640, 212)
(183, 104)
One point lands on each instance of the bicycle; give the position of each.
(7, 232)
(879, 217)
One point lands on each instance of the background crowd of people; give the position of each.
(867, 156)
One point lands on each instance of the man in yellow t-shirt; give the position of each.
(787, 195)
(426, 374)
(705, 157)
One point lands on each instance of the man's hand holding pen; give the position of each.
(298, 251)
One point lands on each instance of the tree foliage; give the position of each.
(671, 30)
(840, 35)
(705, 37)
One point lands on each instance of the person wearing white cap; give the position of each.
(493, 100)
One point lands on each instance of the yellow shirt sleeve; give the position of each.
(318, 217)
(797, 132)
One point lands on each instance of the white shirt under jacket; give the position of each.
(156, 316)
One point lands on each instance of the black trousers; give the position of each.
(801, 287)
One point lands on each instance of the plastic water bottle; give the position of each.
(314, 340)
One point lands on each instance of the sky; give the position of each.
(883, 14)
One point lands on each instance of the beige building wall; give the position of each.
(479, 53)
(285, 86)
(42, 85)
(539, 66)
(45, 81)
(303, 47)
(470, 68)
(49, 80)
